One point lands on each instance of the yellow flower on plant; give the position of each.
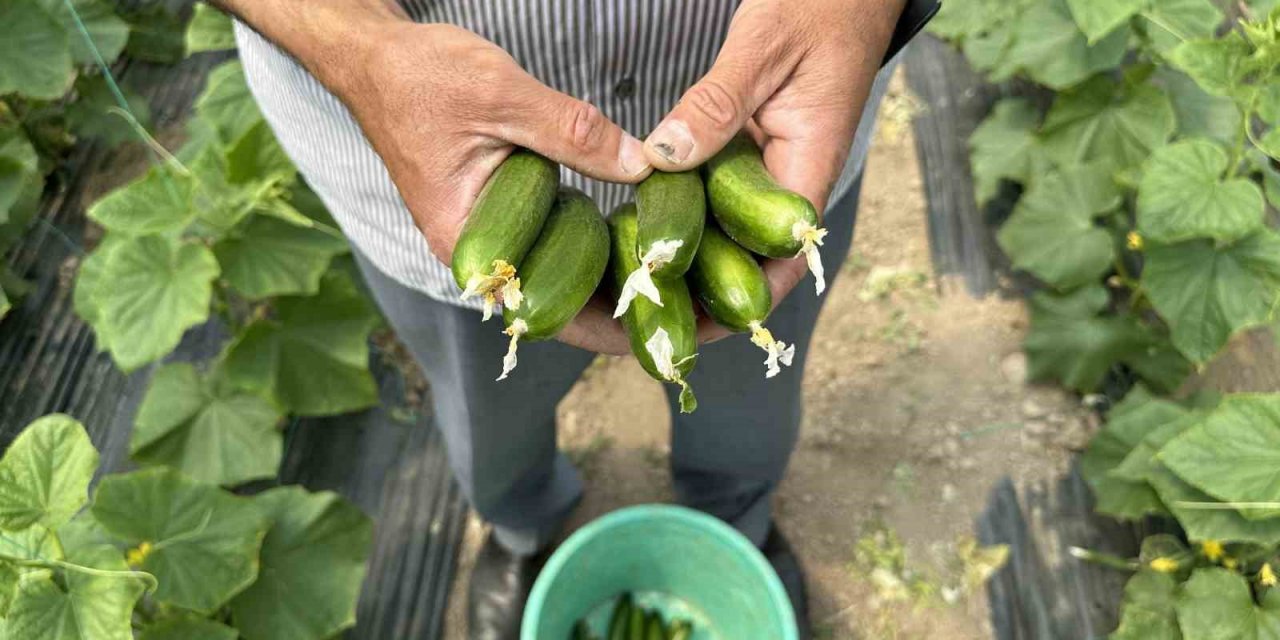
(1164, 565)
(1134, 241)
(1267, 577)
(1212, 549)
(1230, 563)
(137, 555)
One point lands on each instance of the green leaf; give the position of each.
(1051, 49)
(1125, 430)
(1225, 525)
(1170, 22)
(151, 290)
(1141, 462)
(1160, 365)
(35, 60)
(203, 542)
(313, 562)
(1233, 455)
(1085, 302)
(1269, 171)
(89, 281)
(188, 629)
(1217, 65)
(1199, 114)
(1217, 603)
(12, 178)
(33, 543)
(108, 31)
(45, 474)
(206, 430)
(1098, 121)
(1079, 351)
(1208, 293)
(1006, 146)
(220, 204)
(4, 304)
(226, 102)
(256, 156)
(209, 30)
(313, 357)
(88, 608)
(90, 116)
(157, 202)
(1183, 196)
(1147, 612)
(267, 257)
(156, 34)
(1097, 18)
(1051, 233)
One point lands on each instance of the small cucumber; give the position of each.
(733, 289)
(757, 212)
(636, 625)
(671, 209)
(581, 631)
(503, 224)
(654, 629)
(560, 272)
(621, 618)
(663, 338)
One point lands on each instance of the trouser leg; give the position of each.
(728, 457)
(500, 436)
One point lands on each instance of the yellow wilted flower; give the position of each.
(1212, 549)
(137, 555)
(1267, 577)
(1134, 241)
(1164, 565)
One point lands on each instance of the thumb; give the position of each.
(711, 112)
(572, 132)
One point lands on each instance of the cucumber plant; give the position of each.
(1146, 199)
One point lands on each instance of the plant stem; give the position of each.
(1238, 149)
(1103, 559)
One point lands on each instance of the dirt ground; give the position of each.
(914, 407)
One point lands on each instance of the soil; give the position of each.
(915, 406)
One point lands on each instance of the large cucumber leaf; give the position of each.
(267, 257)
(1100, 121)
(1208, 293)
(313, 357)
(1126, 428)
(1070, 343)
(1202, 519)
(1097, 18)
(150, 291)
(1006, 145)
(1052, 232)
(1147, 612)
(1217, 603)
(1233, 454)
(157, 202)
(200, 542)
(88, 607)
(1170, 22)
(92, 116)
(45, 474)
(313, 562)
(1183, 195)
(188, 629)
(209, 30)
(108, 31)
(1199, 114)
(226, 102)
(205, 429)
(1049, 48)
(35, 56)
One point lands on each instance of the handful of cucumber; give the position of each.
(630, 621)
(541, 250)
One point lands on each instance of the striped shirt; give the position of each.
(632, 59)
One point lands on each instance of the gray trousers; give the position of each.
(727, 458)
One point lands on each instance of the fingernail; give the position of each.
(672, 140)
(631, 156)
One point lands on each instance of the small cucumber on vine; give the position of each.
(502, 227)
(671, 209)
(560, 272)
(734, 291)
(663, 338)
(757, 212)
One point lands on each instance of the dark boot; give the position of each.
(778, 552)
(500, 585)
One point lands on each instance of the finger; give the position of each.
(594, 329)
(572, 132)
(439, 195)
(709, 331)
(751, 66)
(783, 275)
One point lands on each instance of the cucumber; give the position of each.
(636, 624)
(663, 338)
(503, 224)
(757, 212)
(671, 209)
(560, 272)
(734, 291)
(581, 631)
(680, 630)
(621, 618)
(654, 630)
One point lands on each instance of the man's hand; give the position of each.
(796, 76)
(443, 108)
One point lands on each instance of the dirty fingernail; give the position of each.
(672, 140)
(631, 156)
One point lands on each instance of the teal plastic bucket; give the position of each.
(678, 561)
